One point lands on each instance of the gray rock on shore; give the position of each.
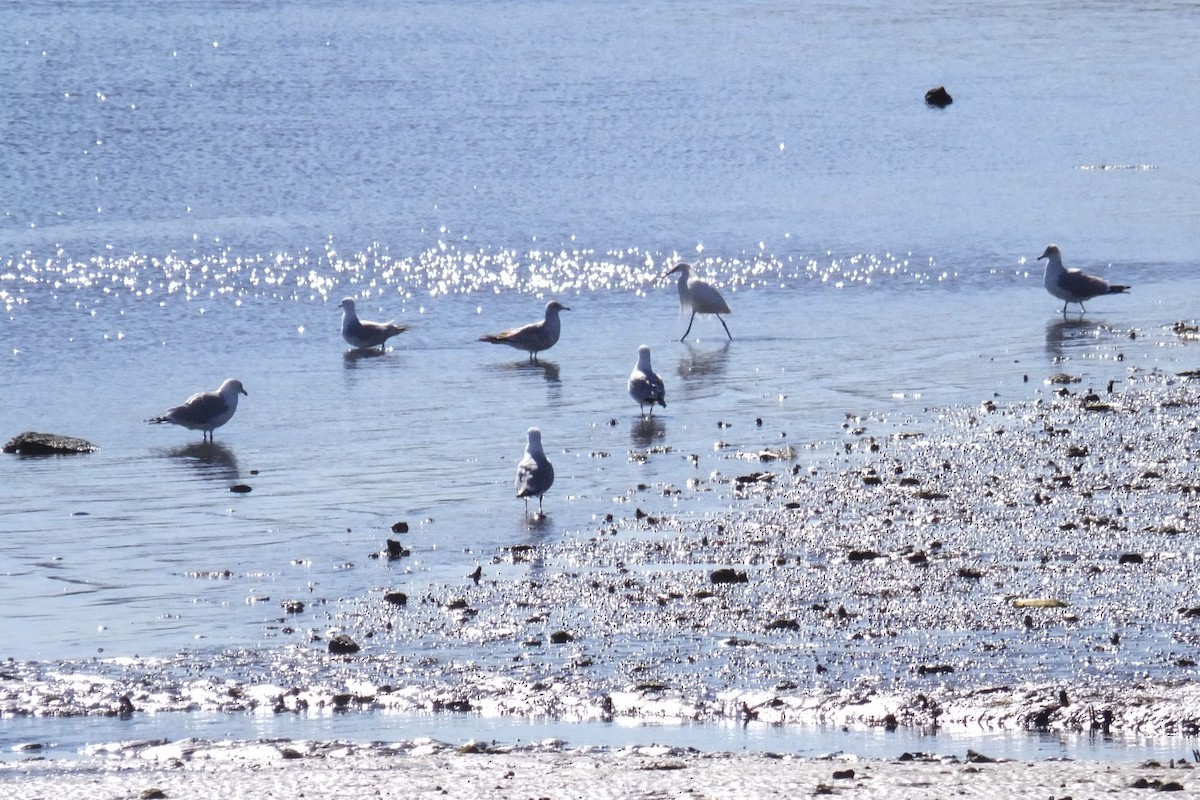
(32, 443)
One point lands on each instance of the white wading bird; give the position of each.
(206, 411)
(535, 475)
(701, 297)
(1071, 285)
(534, 337)
(363, 334)
(644, 386)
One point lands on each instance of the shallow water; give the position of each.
(196, 189)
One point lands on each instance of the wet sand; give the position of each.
(294, 769)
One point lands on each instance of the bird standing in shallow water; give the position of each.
(535, 475)
(699, 296)
(1071, 285)
(206, 411)
(534, 337)
(363, 334)
(644, 386)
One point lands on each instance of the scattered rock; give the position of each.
(394, 551)
(240, 488)
(783, 625)
(728, 575)
(1038, 602)
(396, 598)
(561, 637)
(1131, 558)
(342, 645)
(862, 555)
(934, 669)
(938, 97)
(843, 774)
(153, 793)
(292, 606)
(32, 443)
(975, 757)
(400, 527)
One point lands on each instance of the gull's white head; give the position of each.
(644, 359)
(347, 305)
(535, 440)
(553, 307)
(1051, 252)
(231, 388)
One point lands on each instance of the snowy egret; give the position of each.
(363, 334)
(206, 411)
(1072, 285)
(699, 296)
(644, 386)
(534, 337)
(535, 475)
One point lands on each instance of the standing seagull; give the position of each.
(535, 475)
(534, 337)
(1071, 285)
(206, 411)
(363, 334)
(644, 386)
(699, 296)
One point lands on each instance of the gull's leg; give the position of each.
(726, 327)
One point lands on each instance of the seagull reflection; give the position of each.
(350, 357)
(646, 431)
(1060, 331)
(211, 460)
(701, 363)
(547, 369)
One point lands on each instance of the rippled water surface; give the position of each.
(190, 189)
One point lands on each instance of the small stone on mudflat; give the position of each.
(938, 97)
(342, 645)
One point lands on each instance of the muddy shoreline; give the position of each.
(1030, 566)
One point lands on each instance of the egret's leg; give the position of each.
(689, 330)
(726, 327)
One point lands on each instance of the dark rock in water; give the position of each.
(783, 624)
(400, 527)
(1131, 558)
(125, 707)
(934, 669)
(938, 97)
(342, 645)
(561, 637)
(153, 793)
(292, 606)
(975, 757)
(728, 575)
(460, 706)
(240, 488)
(396, 598)
(395, 550)
(31, 443)
(862, 555)
(843, 774)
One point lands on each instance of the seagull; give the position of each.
(363, 334)
(699, 296)
(206, 411)
(1071, 285)
(534, 337)
(644, 386)
(535, 475)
